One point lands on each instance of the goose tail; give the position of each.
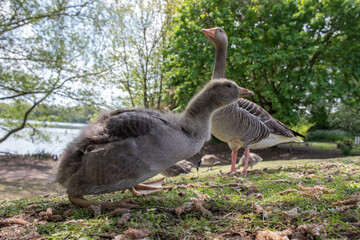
(299, 135)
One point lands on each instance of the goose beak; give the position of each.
(210, 33)
(243, 92)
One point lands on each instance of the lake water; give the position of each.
(60, 136)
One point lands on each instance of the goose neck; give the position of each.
(220, 62)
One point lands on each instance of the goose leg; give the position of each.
(233, 161)
(148, 187)
(80, 201)
(246, 161)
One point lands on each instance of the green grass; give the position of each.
(323, 145)
(232, 207)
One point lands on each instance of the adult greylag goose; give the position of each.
(125, 147)
(243, 123)
(253, 160)
(209, 160)
(182, 167)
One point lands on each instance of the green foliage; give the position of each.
(346, 146)
(287, 52)
(50, 51)
(328, 135)
(346, 117)
(76, 114)
(138, 31)
(302, 127)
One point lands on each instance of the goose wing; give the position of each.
(273, 125)
(121, 157)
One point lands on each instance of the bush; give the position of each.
(328, 135)
(346, 146)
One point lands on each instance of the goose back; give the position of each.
(245, 124)
(121, 157)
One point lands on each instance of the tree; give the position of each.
(49, 52)
(347, 118)
(135, 55)
(290, 53)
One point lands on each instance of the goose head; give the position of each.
(217, 36)
(223, 91)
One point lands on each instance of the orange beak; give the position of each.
(210, 33)
(243, 92)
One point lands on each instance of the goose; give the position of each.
(182, 167)
(243, 123)
(253, 160)
(209, 160)
(125, 147)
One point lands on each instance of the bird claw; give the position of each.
(80, 201)
(148, 187)
(244, 173)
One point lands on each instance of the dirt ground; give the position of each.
(22, 176)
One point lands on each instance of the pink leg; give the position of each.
(247, 155)
(233, 161)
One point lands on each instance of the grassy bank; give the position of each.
(302, 199)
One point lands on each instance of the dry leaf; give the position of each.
(288, 191)
(81, 222)
(282, 180)
(311, 213)
(67, 213)
(260, 210)
(120, 237)
(180, 210)
(46, 214)
(49, 211)
(181, 194)
(315, 188)
(347, 202)
(286, 232)
(96, 210)
(11, 221)
(124, 218)
(330, 166)
(291, 214)
(257, 208)
(342, 209)
(33, 235)
(32, 206)
(197, 206)
(134, 233)
(314, 191)
(313, 229)
(118, 211)
(269, 235)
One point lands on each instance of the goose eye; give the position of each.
(229, 85)
(220, 30)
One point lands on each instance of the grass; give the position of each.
(240, 210)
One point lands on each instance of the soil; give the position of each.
(23, 176)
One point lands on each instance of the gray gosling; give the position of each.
(209, 161)
(253, 160)
(123, 148)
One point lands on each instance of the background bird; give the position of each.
(182, 167)
(209, 161)
(253, 160)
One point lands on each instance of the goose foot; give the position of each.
(148, 187)
(80, 201)
(232, 172)
(233, 161)
(246, 161)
